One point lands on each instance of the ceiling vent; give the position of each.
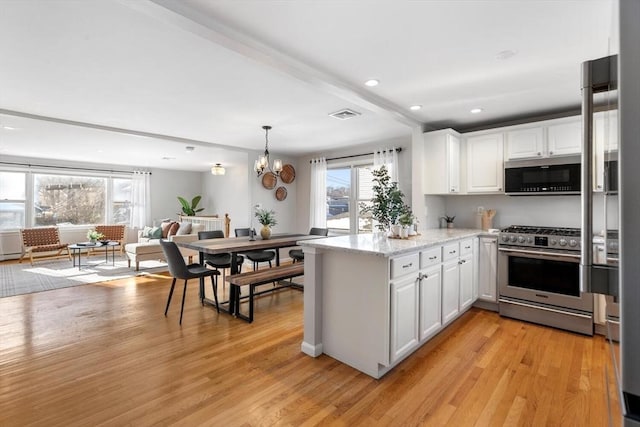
(345, 114)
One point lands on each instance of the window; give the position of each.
(60, 199)
(29, 199)
(347, 188)
(12, 199)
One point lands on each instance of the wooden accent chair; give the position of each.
(113, 233)
(42, 239)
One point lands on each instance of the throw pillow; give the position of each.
(185, 228)
(165, 229)
(173, 229)
(146, 231)
(155, 233)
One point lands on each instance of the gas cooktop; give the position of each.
(563, 238)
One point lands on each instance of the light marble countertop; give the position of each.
(379, 244)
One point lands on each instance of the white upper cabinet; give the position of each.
(485, 166)
(565, 137)
(525, 143)
(441, 162)
(558, 137)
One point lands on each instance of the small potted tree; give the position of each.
(387, 204)
(268, 219)
(448, 220)
(190, 209)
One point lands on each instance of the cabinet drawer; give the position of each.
(466, 247)
(430, 257)
(405, 265)
(450, 251)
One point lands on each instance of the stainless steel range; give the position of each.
(539, 277)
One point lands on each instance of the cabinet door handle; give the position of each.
(467, 247)
(461, 261)
(433, 257)
(452, 252)
(539, 153)
(407, 265)
(550, 153)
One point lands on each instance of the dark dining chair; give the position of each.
(255, 256)
(180, 270)
(219, 261)
(297, 255)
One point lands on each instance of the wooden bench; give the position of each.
(254, 279)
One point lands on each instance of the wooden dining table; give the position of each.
(238, 245)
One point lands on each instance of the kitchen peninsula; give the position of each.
(370, 301)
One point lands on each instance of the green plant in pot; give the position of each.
(448, 220)
(190, 209)
(268, 219)
(387, 204)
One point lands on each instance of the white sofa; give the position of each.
(146, 249)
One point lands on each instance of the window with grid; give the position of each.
(348, 187)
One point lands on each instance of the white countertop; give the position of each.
(379, 244)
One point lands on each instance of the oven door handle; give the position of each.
(541, 255)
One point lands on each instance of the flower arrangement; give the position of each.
(266, 217)
(94, 235)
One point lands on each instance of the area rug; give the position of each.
(17, 279)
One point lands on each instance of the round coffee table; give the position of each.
(77, 248)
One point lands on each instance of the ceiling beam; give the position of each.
(96, 126)
(181, 15)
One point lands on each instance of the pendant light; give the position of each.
(262, 164)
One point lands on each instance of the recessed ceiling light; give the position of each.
(372, 82)
(168, 158)
(190, 148)
(8, 128)
(415, 107)
(476, 110)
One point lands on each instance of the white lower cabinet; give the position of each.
(430, 302)
(423, 301)
(487, 269)
(450, 290)
(404, 316)
(466, 281)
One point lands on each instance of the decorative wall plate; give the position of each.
(288, 174)
(269, 180)
(281, 194)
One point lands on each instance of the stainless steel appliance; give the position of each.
(539, 278)
(558, 175)
(605, 252)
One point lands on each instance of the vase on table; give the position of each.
(265, 232)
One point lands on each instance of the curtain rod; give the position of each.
(67, 167)
(399, 149)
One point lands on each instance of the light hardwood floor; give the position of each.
(104, 354)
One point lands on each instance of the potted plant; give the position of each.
(387, 204)
(406, 221)
(268, 219)
(448, 220)
(190, 209)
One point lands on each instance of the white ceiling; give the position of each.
(141, 79)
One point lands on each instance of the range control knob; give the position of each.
(552, 242)
(563, 242)
(512, 238)
(530, 240)
(573, 243)
(521, 239)
(505, 238)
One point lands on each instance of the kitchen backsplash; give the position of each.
(555, 211)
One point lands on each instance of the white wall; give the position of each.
(166, 186)
(304, 172)
(228, 193)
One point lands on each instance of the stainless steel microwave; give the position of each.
(556, 175)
